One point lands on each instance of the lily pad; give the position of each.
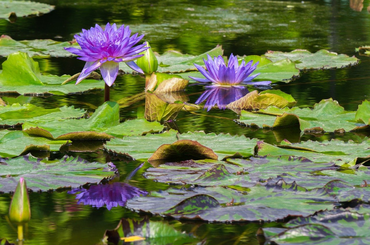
(22, 8)
(322, 59)
(102, 125)
(21, 75)
(40, 47)
(15, 143)
(327, 227)
(45, 175)
(174, 62)
(144, 147)
(326, 116)
(158, 109)
(259, 204)
(18, 114)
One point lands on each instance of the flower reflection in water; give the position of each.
(221, 96)
(111, 194)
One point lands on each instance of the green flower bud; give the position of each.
(148, 63)
(20, 210)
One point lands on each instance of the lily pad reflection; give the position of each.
(112, 194)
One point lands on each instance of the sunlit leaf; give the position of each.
(322, 59)
(157, 109)
(255, 100)
(17, 114)
(46, 174)
(15, 143)
(22, 75)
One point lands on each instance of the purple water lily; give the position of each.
(233, 74)
(221, 96)
(104, 49)
(226, 80)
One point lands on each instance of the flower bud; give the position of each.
(148, 63)
(20, 210)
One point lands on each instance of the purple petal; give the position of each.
(109, 71)
(134, 67)
(260, 83)
(88, 68)
(201, 80)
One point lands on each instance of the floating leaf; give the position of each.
(28, 79)
(102, 125)
(144, 147)
(17, 114)
(322, 59)
(42, 48)
(15, 143)
(23, 8)
(327, 116)
(363, 113)
(165, 83)
(44, 175)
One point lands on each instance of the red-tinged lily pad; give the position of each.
(182, 150)
(45, 175)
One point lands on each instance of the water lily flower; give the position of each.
(221, 96)
(225, 79)
(233, 74)
(104, 49)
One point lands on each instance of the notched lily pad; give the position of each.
(44, 175)
(322, 59)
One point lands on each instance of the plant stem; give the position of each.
(20, 232)
(106, 93)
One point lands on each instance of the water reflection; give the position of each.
(357, 5)
(112, 194)
(221, 96)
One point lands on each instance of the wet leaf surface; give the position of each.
(45, 175)
(23, 8)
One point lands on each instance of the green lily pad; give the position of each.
(327, 116)
(144, 147)
(173, 61)
(15, 143)
(22, 75)
(38, 47)
(102, 125)
(23, 8)
(161, 106)
(45, 175)
(18, 114)
(322, 59)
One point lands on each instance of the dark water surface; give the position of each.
(193, 27)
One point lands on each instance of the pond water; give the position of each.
(242, 27)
